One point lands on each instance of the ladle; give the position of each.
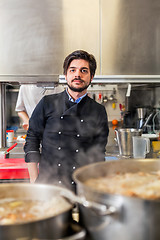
(111, 97)
(105, 99)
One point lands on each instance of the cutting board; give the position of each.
(13, 168)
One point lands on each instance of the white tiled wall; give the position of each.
(107, 90)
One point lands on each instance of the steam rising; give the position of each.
(51, 174)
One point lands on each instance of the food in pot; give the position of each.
(140, 184)
(18, 211)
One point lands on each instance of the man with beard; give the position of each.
(71, 127)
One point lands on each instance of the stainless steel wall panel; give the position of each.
(130, 37)
(31, 37)
(36, 36)
(81, 27)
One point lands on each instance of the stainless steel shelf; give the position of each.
(27, 79)
(98, 79)
(119, 79)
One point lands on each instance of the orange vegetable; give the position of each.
(114, 122)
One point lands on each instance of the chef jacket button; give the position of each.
(59, 148)
(82, 120)
(61, 117)
(77, 150)
(59, 164)
(78, 135)
(74, 167)
(59, 132)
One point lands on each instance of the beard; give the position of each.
(79, 89)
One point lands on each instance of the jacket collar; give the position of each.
(71, 108)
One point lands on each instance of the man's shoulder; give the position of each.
(54, 96)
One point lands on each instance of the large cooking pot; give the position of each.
(51, 227)
(132, 218)
(55, 226)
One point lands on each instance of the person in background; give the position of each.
(28, 97)
(72, 127)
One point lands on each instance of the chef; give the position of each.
(71, 127)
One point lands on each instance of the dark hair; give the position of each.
(80, 54)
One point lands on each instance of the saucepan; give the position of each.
(49, 223)
(133, 218)
(52, 207)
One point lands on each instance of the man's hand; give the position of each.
(25, 126)
(24, 116)
(33, 171)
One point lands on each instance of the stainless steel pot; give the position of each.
(124, 140)
(53, 227)
(133, 218)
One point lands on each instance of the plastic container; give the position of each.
(9, 137)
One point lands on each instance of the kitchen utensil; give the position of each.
(52, 227)
(4, 152)
(141, 146)
(141, 114)
(113, 105)
(111, 97)
(47, 227)
(124, 140)
(10, 148)
(105, 99)
(135, 218)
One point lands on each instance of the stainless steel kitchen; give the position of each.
(117, 196)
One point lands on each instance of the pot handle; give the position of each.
(99, 209)
(118, 141)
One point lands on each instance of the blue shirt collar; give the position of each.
(77, 100)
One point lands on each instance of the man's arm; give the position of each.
(33, 140)
(25, 119)
(33, 171)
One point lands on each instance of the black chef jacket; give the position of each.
(71, 135)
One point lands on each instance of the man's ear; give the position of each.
(92, 78)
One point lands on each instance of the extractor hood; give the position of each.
(31, 40)
(36, 35)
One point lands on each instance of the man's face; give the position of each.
(78, 75)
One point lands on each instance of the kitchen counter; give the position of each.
(112, 149)
(14, 168)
